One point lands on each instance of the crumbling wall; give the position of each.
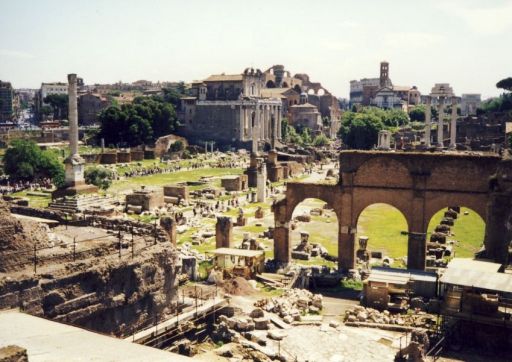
(17, 235)
(111, 296)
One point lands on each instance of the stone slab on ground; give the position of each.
(46, 341)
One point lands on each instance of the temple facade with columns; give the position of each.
(441, 95)
(230, 110)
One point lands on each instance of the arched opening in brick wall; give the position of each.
(315, 222)
(459, 229)
(386, 228)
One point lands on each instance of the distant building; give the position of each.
(469, 104)
(230, 109)
(288, 96)
(45, 90)
(276, 77)
(381, 92)
(89, 107)
(7, 100)
(306, 114)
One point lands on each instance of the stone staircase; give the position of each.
(82, 203)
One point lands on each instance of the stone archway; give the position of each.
(417, 184)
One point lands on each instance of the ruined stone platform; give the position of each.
(81, 203)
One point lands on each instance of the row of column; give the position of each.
(267, 124)
(440, 123)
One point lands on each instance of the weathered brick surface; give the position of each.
(417, 184)
(103, 296)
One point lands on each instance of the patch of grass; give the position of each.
(208, 245)
(383, 224)
(186, 236)
(41, 201)
(170, 178)
(203, 269)
(352, 284)
(253, 229)
(268, 291)
(316, 261)
(468, 229)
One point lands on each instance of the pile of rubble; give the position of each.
(360, 314)
(293, 304)
(247, 337)
(440, 245)
(304, 250)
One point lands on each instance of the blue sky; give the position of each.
(463, 42)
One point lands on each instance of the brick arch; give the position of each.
(380, 171)
(310, 191)
(394, 199)
(477, 203)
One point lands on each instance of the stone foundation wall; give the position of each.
(238, 183)
(109, 297)
(41, 213)
(124, 157)
(148, 200)
(176, 191)
(108, 158)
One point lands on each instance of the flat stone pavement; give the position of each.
(343, 344)
(46, 340)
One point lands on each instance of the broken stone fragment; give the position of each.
(276, 334)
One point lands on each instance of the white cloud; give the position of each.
(15, 54)
(487, 20)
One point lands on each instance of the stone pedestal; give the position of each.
(384, 140)
(224, 232)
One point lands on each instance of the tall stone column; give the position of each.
(261, 180)
(73, 114)
(241, 123)
(453, 125)
(278, 117)
(440, 120)
(428, 119)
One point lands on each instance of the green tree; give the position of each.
(505, 84)
(46, 110)
(177, 146)
(285, 129)
(24, 160)
(293, 136)
(141, 122)
(306, 136)
(417, 113)
(360, 130)
(320, 141)
(59, 104)
(99, 177)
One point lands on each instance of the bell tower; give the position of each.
(384, 74)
